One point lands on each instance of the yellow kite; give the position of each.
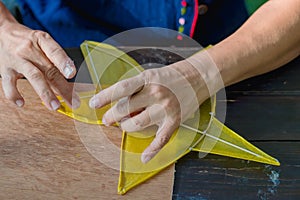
(107, 65)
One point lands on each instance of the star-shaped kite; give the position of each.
(206, 134)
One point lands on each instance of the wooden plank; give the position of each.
(284, 80)
(217, 177)
(265, 117)
(42, 157)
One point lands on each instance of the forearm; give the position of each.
(268, 40)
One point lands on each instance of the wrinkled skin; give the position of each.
(36, 56)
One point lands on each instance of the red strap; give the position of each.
(194, 19)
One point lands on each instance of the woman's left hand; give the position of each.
(164, 97)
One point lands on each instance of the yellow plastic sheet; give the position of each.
(84, 113)
(108, 65)
(215, 139)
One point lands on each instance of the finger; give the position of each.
(73, 99)
(56, 54)
(9, 85)
(40, 85)
(125, 106)
(56, 80)
(163, 135)
(117, 91)
(59, 84)
(150, 116)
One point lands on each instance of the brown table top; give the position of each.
(42, 157)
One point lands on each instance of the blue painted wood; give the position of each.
(217, 177)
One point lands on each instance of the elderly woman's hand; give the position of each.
(36, 56)
(164, 97)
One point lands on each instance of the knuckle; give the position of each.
(34, 74)
(52, 74)
(45, 94)
(143, 75)
(157, 92)
(150, 74)
(40, 34)
(122, 107)
(137, 123)
(131, 125)
(55, 51)
(169, 104)
(23, 48)
(145, 119)
(162, 140)
(124, 85)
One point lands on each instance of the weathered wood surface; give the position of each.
(264, 110)
(267, 107)
(42, 157)
(217, 177)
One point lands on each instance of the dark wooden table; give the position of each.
(266, 111)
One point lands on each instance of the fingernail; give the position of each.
(145, 158)
(93, 102)
(54, 104)
(69, 68)
(76, 102)
(104, 122)
(19, 103)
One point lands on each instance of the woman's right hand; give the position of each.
(36, 56)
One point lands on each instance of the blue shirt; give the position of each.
(70, 22)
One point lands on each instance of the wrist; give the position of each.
(202, 75)
(5, 15)
(208, 73)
